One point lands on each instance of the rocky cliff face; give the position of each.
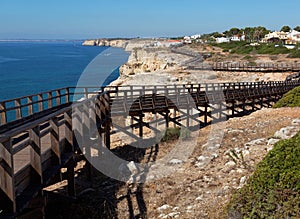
(150, 60)
(120, 43)
(142, 59)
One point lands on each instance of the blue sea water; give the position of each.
(32, 67)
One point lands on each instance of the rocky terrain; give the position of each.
(201, 186)
(121, 43)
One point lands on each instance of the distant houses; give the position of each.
(168, 43)
(235, 38)
(293, 37)
(190, 39)
(275, 37)
(222, 39)
(161, 43)
(287, 38)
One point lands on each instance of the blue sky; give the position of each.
(79, 19)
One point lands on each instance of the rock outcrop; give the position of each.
(120, 43)
(150, 60)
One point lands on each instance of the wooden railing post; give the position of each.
(77, 127)
(86, 129)
(108, 120)
(69, 146)
(30, 107)
(7, 177)
(68, 95)
(3, 113)
(54, 139)
(40, 104)
(50, 101)
(86, 93)
(35, 152)
(58, 97)
(18, 109)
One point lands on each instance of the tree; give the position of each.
(297, 28)
(216, 34)
(260, 32)
(234, 31)
(285, 29)
(248, 31)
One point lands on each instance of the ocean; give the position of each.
(33, 67)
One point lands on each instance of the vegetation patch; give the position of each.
(174, 133)
(244, 48)
(290, 99)
(273, 191)
(294, 54)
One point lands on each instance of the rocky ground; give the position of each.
(201, 185)
(201, 189)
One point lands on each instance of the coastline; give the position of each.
(151, 62)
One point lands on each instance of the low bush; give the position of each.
(174, 133)
(294, 54)
(265, 48)
(290, 99)
(273, 191)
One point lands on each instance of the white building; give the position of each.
(276, 35)
(167, 43)
(222, 40)
(293, 37)
(196, 36)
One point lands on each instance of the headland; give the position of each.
(167, 61)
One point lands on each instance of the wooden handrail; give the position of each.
(95, 109)
(18, 108)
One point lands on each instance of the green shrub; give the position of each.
(290, 99)
(174, 133)
(248, 57)
(294, 54)
(273, 191)
(265, 48)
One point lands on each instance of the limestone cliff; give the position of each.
(144, 60)
(120, 43)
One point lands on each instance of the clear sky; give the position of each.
(80, 19)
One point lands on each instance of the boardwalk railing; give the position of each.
(34, 146)
(32, 154)
(18, 108)
(246, 67)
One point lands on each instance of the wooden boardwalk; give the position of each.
(246, 67)
(41, 134)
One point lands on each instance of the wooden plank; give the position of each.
(7, 179)
(68, 130)
(3, 113)
(58, 97)
(35, 150)
(18, 109)
(5, 153)
(40, 102)
(30, 107)
(50, 100)
(54, 139)
(23, 179)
